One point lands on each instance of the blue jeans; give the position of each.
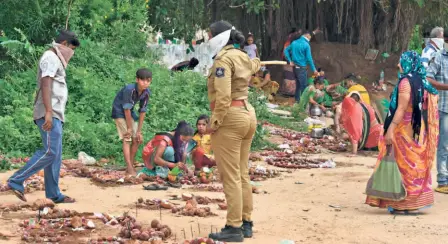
(442, 150)
(48, 158)
(301, 82)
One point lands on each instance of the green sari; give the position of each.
(310, 92)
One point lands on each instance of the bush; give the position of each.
(113, 47)
(416, 40)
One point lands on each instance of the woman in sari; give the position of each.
(313, 94)
(167, 150)
(411, 128)
(288, 86)
(360, 122)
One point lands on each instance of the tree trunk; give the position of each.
(349, 21)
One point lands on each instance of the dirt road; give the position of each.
(299, 212)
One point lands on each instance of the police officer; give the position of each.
(232, 124)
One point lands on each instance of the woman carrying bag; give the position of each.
(409, 144)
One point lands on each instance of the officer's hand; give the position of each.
(209, 130)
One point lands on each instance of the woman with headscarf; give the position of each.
(411, 128)
(360, 122)
(232, 124)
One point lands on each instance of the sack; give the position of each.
(386, 182)
(288, 86)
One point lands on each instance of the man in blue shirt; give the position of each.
(129, 124)
(298, 54)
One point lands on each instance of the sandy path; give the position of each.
(298, 212)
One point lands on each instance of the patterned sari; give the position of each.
(415, 142)
(414, 159)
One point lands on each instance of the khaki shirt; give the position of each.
(229, 80)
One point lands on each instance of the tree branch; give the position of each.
(238, 6)
(68, 15)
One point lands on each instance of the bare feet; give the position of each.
(131, 171)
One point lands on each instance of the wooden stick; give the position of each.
(199, 229)
(68, 15)
(185, 236)
(274, 62)
(191, 229)
(160, 210)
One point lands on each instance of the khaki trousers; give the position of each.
(231, 146)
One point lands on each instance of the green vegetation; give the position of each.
(416, 40)
(113, 47)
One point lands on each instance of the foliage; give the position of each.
(113, 46)
(177, 18)
(6, 165)
(121, 24)
(94, 77)
(38, 19)
(21, 52)
(416, 40)
(255, 6)
(435, 14)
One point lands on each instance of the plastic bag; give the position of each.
(386, 182)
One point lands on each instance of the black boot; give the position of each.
(228, 234)
(247, 228)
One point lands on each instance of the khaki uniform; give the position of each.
(235, 127)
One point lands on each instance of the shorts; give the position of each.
(122, 128)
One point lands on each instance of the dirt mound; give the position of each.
(337, 60)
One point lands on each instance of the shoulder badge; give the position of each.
(220, 72)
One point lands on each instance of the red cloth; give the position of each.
(152, 145)
(375, 129)
(352, 118)
(200, 160)
(352, 121)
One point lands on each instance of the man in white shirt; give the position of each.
(435, 44)
(49, 110)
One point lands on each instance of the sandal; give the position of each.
(19, 195)
(66, 199)
(404, 212)
(442, 189)
(155, 187)
(173, 185)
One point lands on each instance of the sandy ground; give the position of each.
(299, 212)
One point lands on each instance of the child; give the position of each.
(129, 125)
(202, 154)
(251, 47)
